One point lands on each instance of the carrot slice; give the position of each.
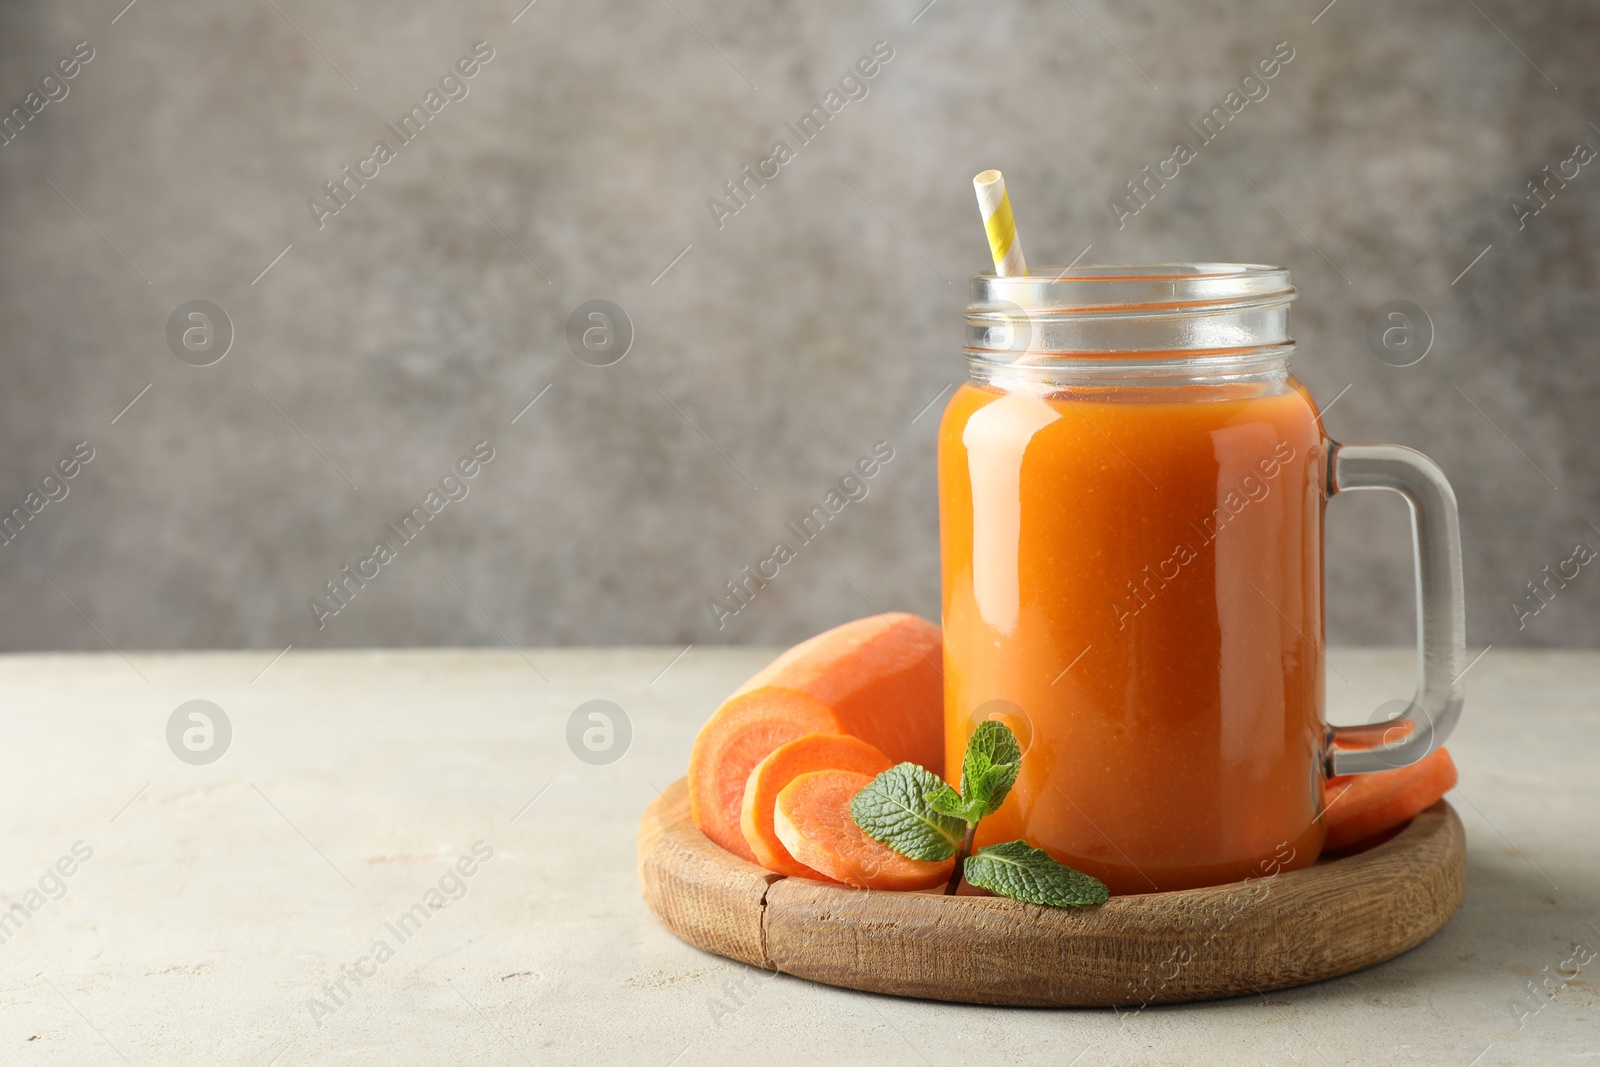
(812, 819)
(813, 752)
(877, 678)
(1357, 806)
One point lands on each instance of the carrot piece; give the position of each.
(1357, 806)
(877, 678)
(813, 752)
(812, 819)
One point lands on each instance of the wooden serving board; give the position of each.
(1339, 915)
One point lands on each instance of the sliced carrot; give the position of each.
(813, 752)
(812, 819)
(877, 678)
(1358, 806)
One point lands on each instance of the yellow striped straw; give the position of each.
(996, 207)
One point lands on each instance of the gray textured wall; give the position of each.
(821, 318)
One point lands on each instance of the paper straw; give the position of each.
(995, 205)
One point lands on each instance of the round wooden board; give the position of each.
(1337, 916)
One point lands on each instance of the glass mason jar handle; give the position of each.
(1441, 611)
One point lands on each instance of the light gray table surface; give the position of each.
(220, 901)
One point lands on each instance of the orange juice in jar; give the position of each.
(1132, 489)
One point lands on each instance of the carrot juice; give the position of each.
(1133, 582)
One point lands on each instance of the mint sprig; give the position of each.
(917, 814)
(894, 810)
(989, 768)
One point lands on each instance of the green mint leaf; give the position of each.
(1021, 872)
(947, 801)
(989, 769)
(894, 810)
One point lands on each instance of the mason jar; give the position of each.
(1132, 488)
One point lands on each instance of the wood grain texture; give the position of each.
(1337, 916)
(710, 898)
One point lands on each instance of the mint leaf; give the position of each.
(989, 769)
(894, 810)
(1021, 872)
(947, 801)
